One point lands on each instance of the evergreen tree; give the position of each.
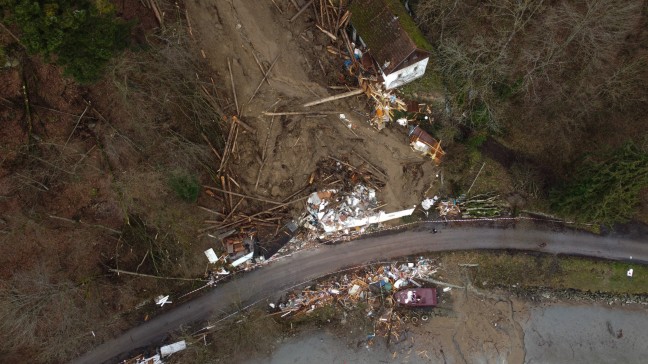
(605, 191)
(80, 35)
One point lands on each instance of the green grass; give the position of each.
(428, 85)
(558, 272)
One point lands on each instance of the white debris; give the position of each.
(447, 289)
(211, 255)
(173, 348)
(162, 300)
(429, 202)
(630, 272)
(334, 291)
(351, 210)
(402, 121)
(400, 283)
(354, 290)
(242, 259)
(272, 305)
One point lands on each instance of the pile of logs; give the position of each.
(231, 195)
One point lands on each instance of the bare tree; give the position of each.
(37, 312)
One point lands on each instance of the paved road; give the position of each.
(311, 264)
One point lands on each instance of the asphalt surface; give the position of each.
(307, 265)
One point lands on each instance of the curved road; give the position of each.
(311, 264)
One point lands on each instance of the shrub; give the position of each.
(185, 186)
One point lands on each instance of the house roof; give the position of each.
(389, 32)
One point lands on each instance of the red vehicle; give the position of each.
(417, 297)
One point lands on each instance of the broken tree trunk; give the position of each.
(335, 97)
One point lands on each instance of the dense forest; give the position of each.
(562, 85)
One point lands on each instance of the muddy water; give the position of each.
(555, 333)
(586, 334)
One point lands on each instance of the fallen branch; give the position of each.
(243, 124)
(263, 71)
(265, 78)
(229, 66)
(211, 146)
(212, 211)
(84, 223)
(76, 125)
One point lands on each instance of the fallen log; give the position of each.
(335, 97)
(299, 113)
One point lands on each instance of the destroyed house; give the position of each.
(392, 39)
(423, 142)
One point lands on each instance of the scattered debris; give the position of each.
(370, 284)
(161, 353)
(162, 300)
(332, 211)
(211, 255)
(630, 272)
(448, 209)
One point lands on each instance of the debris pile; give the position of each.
(485, 205)
(448, 209)
(332, 211)
(384, 103)
(372, 285)
(240, 208)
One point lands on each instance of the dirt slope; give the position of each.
(238, 30)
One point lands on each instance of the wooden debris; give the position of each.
(304, 8)
(243, 124)
(244, 196)
(329, 34)
(265, 78)
(156, 11)
(211, 146)
(283, 113)
(264, 155)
